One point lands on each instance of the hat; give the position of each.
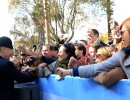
(6, 42)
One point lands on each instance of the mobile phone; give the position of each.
(112, 25)
(117, 34)
(65, 35)
(34, 47)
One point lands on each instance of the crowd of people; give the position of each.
(106, 63)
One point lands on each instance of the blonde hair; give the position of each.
(105, 52)
(126, 23)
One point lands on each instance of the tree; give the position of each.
(107, 7)
(104, 37)
(63, 16)
(30, 10)
(65, 23)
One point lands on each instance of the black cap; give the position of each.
(6, 42)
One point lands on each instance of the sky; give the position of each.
(6, 19)
(121, 12)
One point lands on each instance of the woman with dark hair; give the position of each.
(122, 58)
(65, 52)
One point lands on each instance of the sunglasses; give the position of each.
(122, 32)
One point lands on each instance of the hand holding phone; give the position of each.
(113, 24)
(34, 47)
(117, 34)
(89, 31)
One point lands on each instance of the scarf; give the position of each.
(63, 63)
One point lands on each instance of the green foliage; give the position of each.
(63, 16)
(38, 18)
(38, 14)
(104, 37)
(31, 40)
(13, 3)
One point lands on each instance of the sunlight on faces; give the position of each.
(99, 56)
(103, 53)
(46, 51)
(62, 54)
(92, 51)
(125, 35)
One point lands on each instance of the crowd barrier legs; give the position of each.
(26, 92)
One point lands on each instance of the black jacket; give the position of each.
(8, 73)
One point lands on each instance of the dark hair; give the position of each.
(95, 31)
(84, 41)
(51, 47)
(81, 47)
(55, 48)
(70, 49)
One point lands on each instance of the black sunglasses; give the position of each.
(121, 32)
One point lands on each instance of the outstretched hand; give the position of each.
(22, 49)
(30, 53)
(27, 68)
(63, 72)
(34, 54)
(72, 63)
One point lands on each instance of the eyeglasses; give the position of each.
(99, 56)
(122, 32)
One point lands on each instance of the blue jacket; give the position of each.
(8, 73)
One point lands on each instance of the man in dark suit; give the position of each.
(96, 34)
(8, 72)
(93, 37)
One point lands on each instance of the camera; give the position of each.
(113, 24)
(117, 33)
(65, 36)
(34, 47)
